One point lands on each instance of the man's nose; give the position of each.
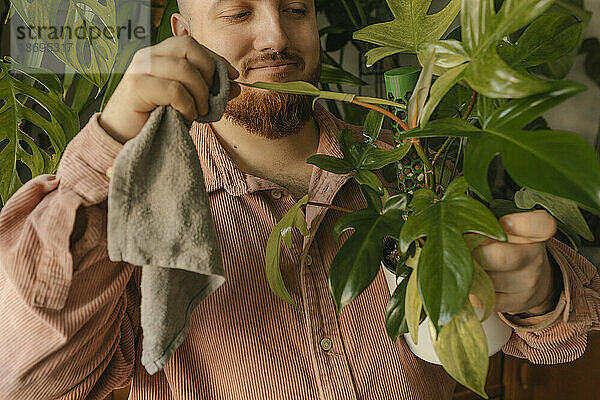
(271, 34)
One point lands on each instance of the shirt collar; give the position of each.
(220, 171)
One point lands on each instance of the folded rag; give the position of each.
(159, 218)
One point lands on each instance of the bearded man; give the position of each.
(77, 335)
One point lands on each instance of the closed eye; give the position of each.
(238, 16)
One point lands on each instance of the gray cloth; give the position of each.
(159, 218)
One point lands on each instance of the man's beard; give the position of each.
(269, 114)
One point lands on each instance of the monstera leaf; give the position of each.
(475, 59)
(357, 262)
(445, 269)
(16, 145)
(283, 231)
(411, 27)
(84, 34)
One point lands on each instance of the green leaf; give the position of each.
(352, 149)
(548, 38)
(445, 270)
(559, 163)
(395, 318)
(483, 288)
(485, 108)
(454, 103)
(411, 27)
(375, 158)
(63, 127)
(413, 303)
(332, 74)
(358, 261)
(379, 53)
(372, 198)
(564, 210)
(501, 207)
(330, 163)
(484, 69)
(448, 53)
(490, 75)
(366, 177)
(372, 126)
(420, 93)
(518, 113)
(558, 69)
(294, 218)
(462, 348)
(71, 50)
(513, 15)
(439, 89)
(297, 87)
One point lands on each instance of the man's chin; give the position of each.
(268, 114)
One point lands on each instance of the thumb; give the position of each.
(529, 227)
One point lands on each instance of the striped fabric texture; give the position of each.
(70, 317)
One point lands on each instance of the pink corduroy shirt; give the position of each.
(70, 317)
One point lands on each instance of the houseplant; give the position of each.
(556, 170)
(459, 62)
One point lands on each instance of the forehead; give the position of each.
(210, 4)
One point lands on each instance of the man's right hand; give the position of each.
(178, 71)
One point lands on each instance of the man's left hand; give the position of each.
(523, 277)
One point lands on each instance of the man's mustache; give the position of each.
(274, 56)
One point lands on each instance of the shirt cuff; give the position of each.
(86, 160)
(563, 306)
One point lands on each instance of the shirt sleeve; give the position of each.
(69, 313)
(561, 334)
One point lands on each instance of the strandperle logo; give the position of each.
(91, 32)
(90, 37)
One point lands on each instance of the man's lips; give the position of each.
(275, 66)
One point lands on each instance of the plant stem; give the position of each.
(471, 105)
(346, 210)
(460, 146)
(384, 112)
(415, 141)
(439, 152)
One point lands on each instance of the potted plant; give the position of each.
(482, 105)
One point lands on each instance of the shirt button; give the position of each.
(326, 344)
(276, 194)
(308, 259)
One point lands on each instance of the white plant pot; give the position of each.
(496, 331)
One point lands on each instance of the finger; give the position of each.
(475, 301)
(530, 227)
(517, 281)
(188, 48)
(157, 92)
(511, 303)
(180, 69)
(234, 89)
(499, 256)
